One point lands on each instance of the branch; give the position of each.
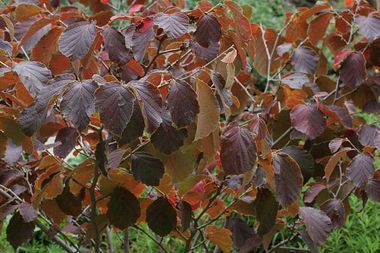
(209, 63)
(6, 192)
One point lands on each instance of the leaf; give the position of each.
(303, 158)
(27, 212)
(318, 224)
(369, 26)
(19, 231)
(230, 57)
(150, 101)
(114, 43)
(161, 216)
(147, 168)
(78, 103)
(288, 179)
(182, 103)
(76, 41)
(186, 213)
(369, 135)
(45, 48)
(241, 232)
(305, 60)
(333, 161)
(6, 48)
(181, 163)
(174, 25)
(373, 187)
(138, 37)
(266, 208)
(219, 236)
(69, 203)
(208, 117)
(296, 80)
(33, 116)
(308, 120)
(34, 75)
(68, 139)
(123, 208)
(361, 169)
(115, 103)
(334, 208)
(24, 11)
(208, 30)
(353, 71)
(238, 150)
(206, 53)
(135, 127)
(313, 192)
(167, 138)
(318, 26)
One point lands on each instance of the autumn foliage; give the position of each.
(162, 108)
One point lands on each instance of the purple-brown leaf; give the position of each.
(182, 103)
(305, 60)
(68, 138)
(288, 179)
(114, 43)
(208, 30)
(78, 103)
(174, 25)
(353, 71)
(238, 150)
(308, 120)
(147, 168)
(318, 224)
(76, 41)
(361, 169)
(115, 103)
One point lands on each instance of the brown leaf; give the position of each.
(208, 117)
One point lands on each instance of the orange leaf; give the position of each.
(220, 236)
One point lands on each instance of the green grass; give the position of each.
(360, 233)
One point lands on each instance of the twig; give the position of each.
(282, 136)
(126, 241)
(209, 63)
(8, 194)
(155, 57)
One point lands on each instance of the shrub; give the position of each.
(151, 118)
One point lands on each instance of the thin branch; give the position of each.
(8, 193)
(282, 136)
(209, 63)
(155, 57)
